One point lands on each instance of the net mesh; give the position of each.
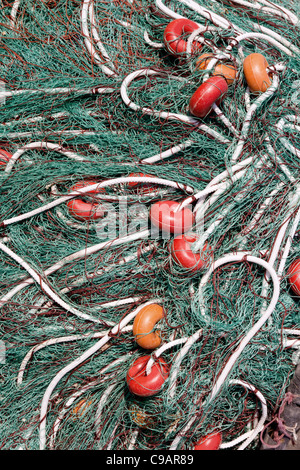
(55, 90)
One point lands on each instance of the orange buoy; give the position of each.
(256, 75)
(226, 70)
(4, 157)
(210, 442)
(144, 324)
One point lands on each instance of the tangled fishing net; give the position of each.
(95, 117)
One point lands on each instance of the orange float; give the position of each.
(256, 75)
(144, 324)
(226, 70)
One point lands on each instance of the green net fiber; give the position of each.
(90, 94)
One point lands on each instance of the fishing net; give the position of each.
(91, 95)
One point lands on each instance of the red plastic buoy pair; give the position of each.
(168, 217)
(215, 87)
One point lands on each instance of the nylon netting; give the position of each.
(71, 111)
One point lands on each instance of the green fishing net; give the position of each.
(54, 90)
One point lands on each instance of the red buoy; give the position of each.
(293, 275)
(175, 33)
(85, 210)
(4, 157)
(209, 442)
(210, 92)
(147, 385)
(163, 216)
(144, 326)
(183, 255)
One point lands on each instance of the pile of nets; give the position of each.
(91, 96)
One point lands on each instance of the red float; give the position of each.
(293, 275)
(163, 216)
(210, 92)
(183, 255)
(85, 210)
(210, 442)
(174, 33)
(4, 157)
(147, 385)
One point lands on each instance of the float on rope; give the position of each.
(174, 33)
(144, 385)
(82, 210)
(144, 324)
(210, 442)
(4, 157)
(183, 255)
(256, 75)
(166, 216)
(144, 188)
(226, 70)
(293, 275)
